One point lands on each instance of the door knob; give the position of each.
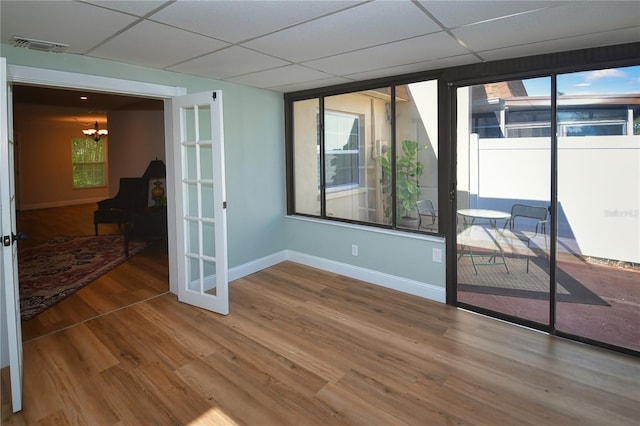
(20, 237)
(8, 240)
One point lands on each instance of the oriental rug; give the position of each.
(54, 270)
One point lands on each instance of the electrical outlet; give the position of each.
(436, 255)
(354, 250)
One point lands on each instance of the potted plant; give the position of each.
(408, 172)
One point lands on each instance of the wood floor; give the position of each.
(306, 347)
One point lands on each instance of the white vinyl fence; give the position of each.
(598, 187)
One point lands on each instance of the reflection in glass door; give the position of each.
(582, 284)
(503, 198)
(598, 245)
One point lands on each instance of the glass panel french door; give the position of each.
(598, 248)
(200, 201)
(503, 197)
(8, 249)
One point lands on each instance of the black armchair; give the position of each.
(133, 194)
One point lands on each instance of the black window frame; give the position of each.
(486, 72)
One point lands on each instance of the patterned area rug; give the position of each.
(494, 279)
(56, 269)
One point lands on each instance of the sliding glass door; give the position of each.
(548, 221)
(503, 195)
(598, 241)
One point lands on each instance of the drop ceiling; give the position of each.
(294, 45)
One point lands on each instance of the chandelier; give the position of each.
(94, 133)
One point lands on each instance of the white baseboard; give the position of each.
(416, 288)
(25, 207)
(256, 265)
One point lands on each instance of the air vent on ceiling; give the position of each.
(41, 45)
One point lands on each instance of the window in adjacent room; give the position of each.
(342, 150)
(88, 162)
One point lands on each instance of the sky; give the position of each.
(610, 81)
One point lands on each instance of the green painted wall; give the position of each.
(255, 169)
(396, 253)
(254, 146)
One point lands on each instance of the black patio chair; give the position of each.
(536, 215)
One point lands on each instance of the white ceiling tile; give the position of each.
(569, 20)
(457, 13)
(236, 21)
(359, 27)
(280, 76)
(229, 62)
(419, 49)
(342, 40)
(138, 8)
(565, 44)
(79, 25)
(168, 45)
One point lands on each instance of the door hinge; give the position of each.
(215, 95)
(224, 204)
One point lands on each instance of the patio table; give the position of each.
(481, 237)
(491, 215)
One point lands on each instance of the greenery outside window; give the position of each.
(88, 163)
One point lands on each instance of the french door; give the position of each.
(200, 202)
(547, 197)
(9, 252)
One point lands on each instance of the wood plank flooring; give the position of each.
(306, 347)
(142, 276)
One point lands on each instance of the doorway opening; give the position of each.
(46, 121)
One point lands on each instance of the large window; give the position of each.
(88, 162)
(349, 164)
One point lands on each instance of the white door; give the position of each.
(200, 203)
(9, 247)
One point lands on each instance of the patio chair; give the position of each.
(535, 215)
(132, 194)
(425, 208)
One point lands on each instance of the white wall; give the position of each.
(43, 140)
(136, 137)
(43, 145)
(425, 115)
(598, 187)
(599, 192)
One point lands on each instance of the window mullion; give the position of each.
(323, 185)
(392, 157)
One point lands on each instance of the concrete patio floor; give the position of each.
(617, 324)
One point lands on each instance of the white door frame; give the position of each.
(70, 80)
